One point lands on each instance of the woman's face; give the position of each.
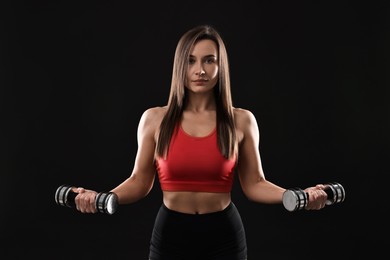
(202, 72)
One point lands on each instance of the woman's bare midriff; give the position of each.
(196, 202)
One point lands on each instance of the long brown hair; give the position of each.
(226, 133)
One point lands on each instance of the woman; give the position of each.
(197, 142)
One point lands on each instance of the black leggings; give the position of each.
(211, 236)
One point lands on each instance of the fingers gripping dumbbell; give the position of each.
(105, 202)
(296, 199)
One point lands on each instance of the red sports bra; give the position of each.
(195, 164)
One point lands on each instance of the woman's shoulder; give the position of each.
(243, 115)
(153, 116)
(245, 120)
(155, 112)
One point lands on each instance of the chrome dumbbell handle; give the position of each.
(105, 202)
(297, 199)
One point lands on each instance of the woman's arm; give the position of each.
(141, 180)
(253, 182)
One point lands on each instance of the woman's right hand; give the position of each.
(85, 200)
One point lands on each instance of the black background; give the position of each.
(76, 76)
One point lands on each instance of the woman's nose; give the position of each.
(200, 70)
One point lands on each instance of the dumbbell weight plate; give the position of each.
(335, 192)
(63, 196)
(106, 202)
(294, 199)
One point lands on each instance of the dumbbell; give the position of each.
(297, 199)
(105, 202)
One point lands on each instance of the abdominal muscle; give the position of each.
(196, 202)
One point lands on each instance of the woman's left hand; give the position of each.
(317, 197)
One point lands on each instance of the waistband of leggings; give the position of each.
(226, 210)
